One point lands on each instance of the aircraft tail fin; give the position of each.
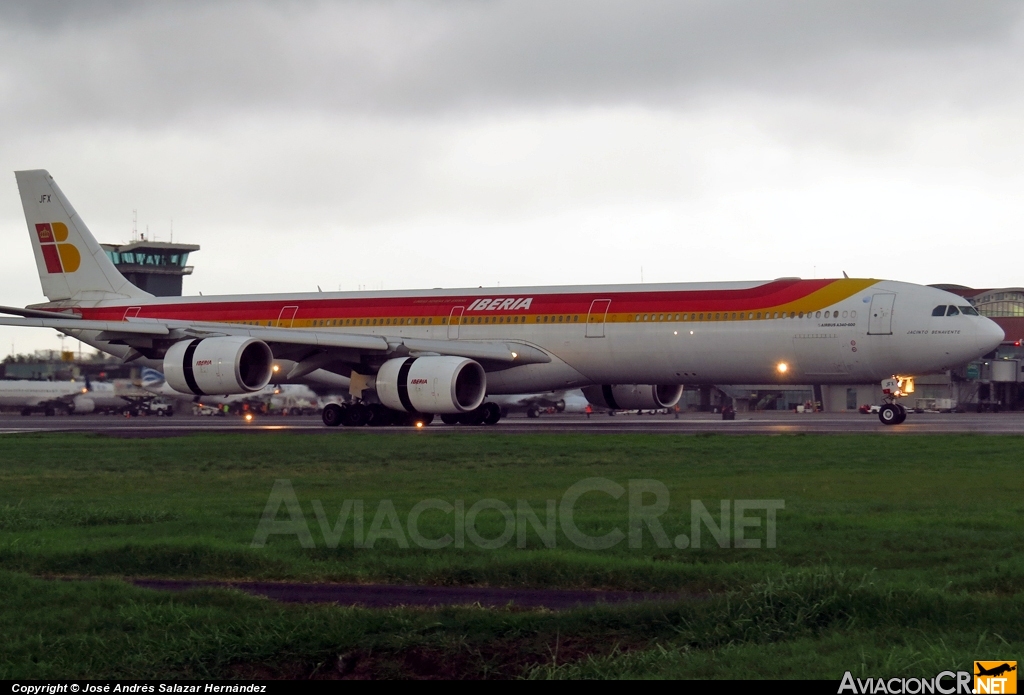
(71, 263)
(151, 379)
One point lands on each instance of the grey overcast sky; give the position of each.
(403, 145)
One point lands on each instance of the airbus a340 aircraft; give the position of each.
(409, 355)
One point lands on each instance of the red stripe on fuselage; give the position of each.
(767, 295)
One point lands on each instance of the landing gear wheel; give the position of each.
(889, 414)
(451, 418)
(425, 418)
(357, 415)
(474, 417)
(491, 413)
(380, 416)
(902, 414)
(534, 411)
(332, 415)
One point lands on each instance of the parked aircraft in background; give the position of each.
(282, 398)
(408, 355)
(52, 397)
(45, 396)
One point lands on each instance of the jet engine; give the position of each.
(435, 385)
(228, 365)
(82, 405)
(634, 396)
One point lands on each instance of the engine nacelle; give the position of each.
(435, 385)
(634, 396)
(212, 366)
(83, 405)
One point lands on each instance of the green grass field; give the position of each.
(898, 556)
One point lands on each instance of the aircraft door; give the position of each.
(880, 315)
(287, 316)
(454, 321)
(131, 312)
(596, 317)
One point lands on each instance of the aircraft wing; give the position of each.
(286, 343)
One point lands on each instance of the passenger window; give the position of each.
(853, 314)
(844, 314)
(817, 314)
(759, 314)
(952, 311)
(939, 310)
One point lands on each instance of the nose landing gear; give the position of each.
(892, 413)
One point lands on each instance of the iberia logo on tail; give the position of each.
(59, 257)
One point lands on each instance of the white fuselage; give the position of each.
(716, 333)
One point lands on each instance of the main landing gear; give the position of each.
(371, 414)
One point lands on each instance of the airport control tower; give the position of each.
(154, 266)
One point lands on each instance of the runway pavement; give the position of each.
(688, 423)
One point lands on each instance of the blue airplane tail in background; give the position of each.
(151, 378)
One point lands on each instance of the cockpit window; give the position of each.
(939, 310)
(969, 310)
(952, 311)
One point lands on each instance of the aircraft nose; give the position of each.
(988, 336)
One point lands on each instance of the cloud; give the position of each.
(147, 64)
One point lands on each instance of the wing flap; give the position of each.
(497, 351)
